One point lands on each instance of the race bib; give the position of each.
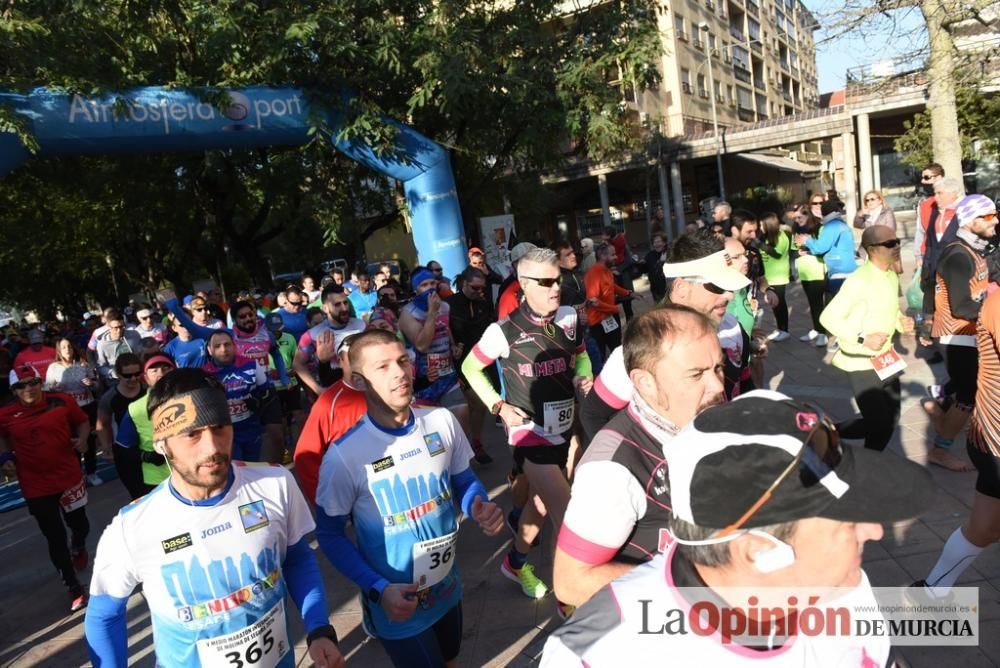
(74, 497)
(888, 364)
(261, 645)
(439, 365)
(81, 397)
(432, 560)
(558, 416)
(238, 410)
(609, 324)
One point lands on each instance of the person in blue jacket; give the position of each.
(835, 245)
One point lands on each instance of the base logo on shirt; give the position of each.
(435, 446)
(253, 516)
(380, 465)
(176, 543)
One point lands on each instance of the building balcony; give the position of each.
(741, 74)
(758, 83)
(788, 96)
(756, 46)
(794, 70)
(737, 33)
(745, 115)
(753, 8)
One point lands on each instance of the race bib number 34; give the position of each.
(260, 645)
(432, 560)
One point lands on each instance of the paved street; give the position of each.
(502, 627)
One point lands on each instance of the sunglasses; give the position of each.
(545, 282)
(819, 455)
(872, 199)
(479, 288)
(289, 303)
(816, 202)
(25, 384)
(711, 287)
(926, 177)
(131, 376)
(199, 309)
(989, 217)
(890, 243)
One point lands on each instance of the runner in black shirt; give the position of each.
(110, 411)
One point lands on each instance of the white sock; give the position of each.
(957, 555)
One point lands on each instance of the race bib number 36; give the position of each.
(260, 645)
(432, 560)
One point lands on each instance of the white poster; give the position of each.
(496, 232)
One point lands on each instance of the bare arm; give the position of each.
(576, 581)
(104, 431)
(300, 365)
(421, 335)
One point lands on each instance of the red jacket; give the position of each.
(600, 283)
(337, 410)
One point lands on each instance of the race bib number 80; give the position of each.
(261, 645)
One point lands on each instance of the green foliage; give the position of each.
(978, 120)
(505, 86)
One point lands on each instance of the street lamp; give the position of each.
(703, 26)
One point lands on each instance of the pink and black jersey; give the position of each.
(538, 358)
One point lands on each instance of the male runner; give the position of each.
(293, 311)
(700, 275)
(397, 475)
(335, 328)
(217, 549)
(337, 410)
(620, 501)
(767, 504)
(111, 410)
(42, 435)
(544, 363)
(248, 389)
(962, 277)
(136, 431)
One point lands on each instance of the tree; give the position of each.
(505, 86)
(884, 20)
(978, 121)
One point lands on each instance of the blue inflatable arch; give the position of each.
(157, 119)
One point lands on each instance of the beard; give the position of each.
(191, 475)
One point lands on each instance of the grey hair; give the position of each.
(723, 205)
(951, 184)
(541, 256)
(718, 554)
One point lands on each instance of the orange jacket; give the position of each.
(600, 284)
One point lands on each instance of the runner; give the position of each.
(201, 313)
(136, 432)
(544, 364)
(425, 324)
(216, 549)
(71, 374)
(337, 410)
(603, 299)
(864, 315)
(42, 435)
(471, 312)
(983, 445)
(290, 395)
(962, 279)
(365, 297)
(147, 328)
(620, 501)
(111, 411)
(184, 349)
(37, 355)
(337, 325)
(700, 275)
(397, 475)
(510, 290)
(766, 527)
(248, 390)
(293, 311)
(118, 341)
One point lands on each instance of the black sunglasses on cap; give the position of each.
(819, 455)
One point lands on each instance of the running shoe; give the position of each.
(80, 558)
(809, 336)
(564, 610)
(778, 336)
(820, 340)
(935, 392)
(94, 480)
(77, 599)
(524, 576)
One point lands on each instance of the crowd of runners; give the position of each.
(351, 408)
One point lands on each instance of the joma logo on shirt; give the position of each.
(216, 529)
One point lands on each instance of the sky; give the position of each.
(835, 57)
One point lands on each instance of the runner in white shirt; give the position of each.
(398, 475)
(218, 548)
(764, 498)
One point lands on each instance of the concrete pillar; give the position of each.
(661, 174)
(675, 184)
(850, 187)
(602, 186)
(865, 153)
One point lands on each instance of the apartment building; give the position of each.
(762, 57)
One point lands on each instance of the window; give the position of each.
(741, 57)
(753, 28)
(702, 88)
(679, 26)
(744, 98)
(718, 92)
(686, 80)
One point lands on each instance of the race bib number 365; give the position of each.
(260, 645)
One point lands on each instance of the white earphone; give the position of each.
(782, 555)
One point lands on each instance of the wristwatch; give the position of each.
(495, 408)
(374, 595)
(326, 631)
(861, 339)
